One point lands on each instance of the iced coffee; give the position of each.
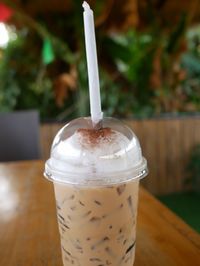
(96, 177)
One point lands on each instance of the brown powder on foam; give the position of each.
(93, 137)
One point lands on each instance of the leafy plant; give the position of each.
(24, 81)
(191, 62)
(193, 169)
(141, 72)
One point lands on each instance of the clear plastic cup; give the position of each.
(96, 177)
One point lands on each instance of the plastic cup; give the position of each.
(96, 176)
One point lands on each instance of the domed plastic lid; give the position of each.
(84, 156)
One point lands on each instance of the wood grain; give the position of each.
(29, 234)
(163, 237)
(28, 228)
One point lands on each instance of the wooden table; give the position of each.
(29, 234)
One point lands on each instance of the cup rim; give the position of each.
(91, 179)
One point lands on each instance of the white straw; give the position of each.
(92, 65)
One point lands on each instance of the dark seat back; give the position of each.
(19, 136)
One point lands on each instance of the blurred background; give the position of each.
(149, 57)
(149, 63)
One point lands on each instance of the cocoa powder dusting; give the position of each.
(93, 136)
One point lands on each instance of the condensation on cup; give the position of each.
(96, 176)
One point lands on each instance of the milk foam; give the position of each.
(78, 154)
(83, 156)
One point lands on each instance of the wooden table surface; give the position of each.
(29, 233)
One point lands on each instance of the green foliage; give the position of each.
(127, 92)
(193, 169)
(176, 33)
(138, 70)
(24, 83)
(9, 89)
(191, 62)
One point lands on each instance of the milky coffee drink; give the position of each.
(96, 177)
